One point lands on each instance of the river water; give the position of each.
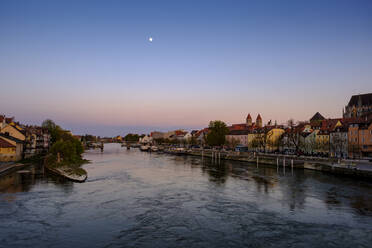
(139, 199)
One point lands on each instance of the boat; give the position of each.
(144, 148)
(154, 148)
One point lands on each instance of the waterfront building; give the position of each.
(237, 137)
(339, 141)
(145, 139)
(274, 137)
(358, 106)
(187, 137)
(7, 151)
(201, 136)
(322, 142)
(360, 138)
(18, 144)
(157, 135)
(14, 130)
(37, 140)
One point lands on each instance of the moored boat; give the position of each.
(144, 148)
(154, 148)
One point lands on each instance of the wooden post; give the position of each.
(277, 164)
(292, 166)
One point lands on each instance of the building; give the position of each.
(274, 137)
(201, 136)
(248, 123)
(339, 142)
(360, 138)
(16, 143)
(237, 137)
(14, 130)
(316, 118)
(358, 106)
(37, 140)
(365, 138)
(5, 121)
(322, 145)
(145, 140)
(7, 151)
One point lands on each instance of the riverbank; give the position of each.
(6, 168)
(341, 167)
(68, 170)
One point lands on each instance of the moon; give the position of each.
(150, 39)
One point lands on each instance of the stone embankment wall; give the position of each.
(319, 164)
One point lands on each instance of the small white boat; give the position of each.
(144, 148)
(154, 148)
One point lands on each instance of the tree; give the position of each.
(48, 124)
(131, 137)
(217, 131)
(64, 145)
(293, 137)
(232, 142)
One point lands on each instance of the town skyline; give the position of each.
(118, 130)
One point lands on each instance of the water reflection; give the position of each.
(138, 199)
(24, 180)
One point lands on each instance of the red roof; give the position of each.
(237, 126)
(180, 132)
(249, 116)
(5, 144)
(259, 117)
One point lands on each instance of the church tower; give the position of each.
(259, 121)
(248, 120)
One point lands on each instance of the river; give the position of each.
(139, 199)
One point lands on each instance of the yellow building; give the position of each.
(11, 154)
(252, 138)
(14, 131)
(273, 138)
(322, 141)
(7, 151)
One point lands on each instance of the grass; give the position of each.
(72, 168)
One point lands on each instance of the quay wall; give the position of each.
(278, 161)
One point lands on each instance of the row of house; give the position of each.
(347, 137)
(18, 141)
(176, 135)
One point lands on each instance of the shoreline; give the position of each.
(281, 162)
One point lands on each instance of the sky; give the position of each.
(90, 67)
